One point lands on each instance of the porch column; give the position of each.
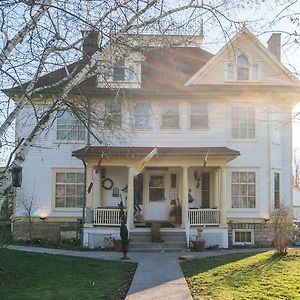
(185, 193)
(89, 196)
(223, 221)
(130, 200)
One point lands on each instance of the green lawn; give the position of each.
(245, 276)
(43, 276)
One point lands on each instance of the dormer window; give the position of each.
(119, 70)
(242, 63)
(242, 70)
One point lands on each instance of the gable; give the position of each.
(271, 72)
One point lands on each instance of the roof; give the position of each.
(164, 69)
(162, 151)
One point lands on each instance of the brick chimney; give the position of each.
(274, 45)
(91, 43)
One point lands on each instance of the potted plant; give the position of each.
(199, 243)
(123, 232)
(176, 212)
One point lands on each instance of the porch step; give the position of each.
(171, 241)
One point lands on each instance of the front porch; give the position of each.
(163, 191)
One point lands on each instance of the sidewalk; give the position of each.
(158, 275)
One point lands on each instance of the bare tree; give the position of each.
(51, 37)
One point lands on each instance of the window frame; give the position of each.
(64, 170)
(161, 117)
(241, 209)
(68, 141)
(234, 243)
(238, 67)
(149, 127)
(113, 126)
(230, 122)
(277, 171)
(190, 115)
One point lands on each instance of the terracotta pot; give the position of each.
(118, 245)
(198, 245)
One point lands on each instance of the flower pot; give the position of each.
(118, 245)
(198, 245)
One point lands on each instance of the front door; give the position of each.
(157, 206)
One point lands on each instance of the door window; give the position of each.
(157, 188)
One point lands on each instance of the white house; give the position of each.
(233, 107)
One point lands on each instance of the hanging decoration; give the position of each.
(116, 192)
(199, 179)
(107, 184)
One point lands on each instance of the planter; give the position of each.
(118, 245)
(178, 218)
(198, 245)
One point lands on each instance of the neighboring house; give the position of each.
(234, 107)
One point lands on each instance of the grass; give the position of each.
(43, 276)
(245, 276)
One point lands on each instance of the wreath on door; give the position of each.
(107, 183)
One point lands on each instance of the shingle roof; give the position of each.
(162, 151)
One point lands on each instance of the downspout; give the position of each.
(83, 202)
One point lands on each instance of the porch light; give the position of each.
(16, 174)
(43, 216)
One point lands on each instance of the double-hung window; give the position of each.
(69, 127)
(113, 114)
(198, 116)
(243, 190)
(243, 122)
(277, 190)
(242, 63)
(170, 116)
(142, 115)
(69, 189)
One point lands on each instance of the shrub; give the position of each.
(281, 223)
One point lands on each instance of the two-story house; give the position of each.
(225, 118)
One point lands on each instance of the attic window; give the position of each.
(242, 67)
(119, 70)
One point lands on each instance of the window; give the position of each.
(142, 115)
(130, 73)
(157, 188)
(113, 114)
(69, 189)
(243, 190)
(69, 127)
(198, 116)
(119, 70)
(243, 122)
(230, 72)
(242, 67)
(277, 190)
(242, 237)
(255, 75)
(170, 116)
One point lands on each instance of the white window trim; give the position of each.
(229, 130)
(235, 80)
(62, 170)
(66, 141)
(150, 127)
(161, 116)
(257, 202)
(275, 139)
(208, 114)
(242, 243)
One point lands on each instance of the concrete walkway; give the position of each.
(158, 275)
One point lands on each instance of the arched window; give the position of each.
(242, 67)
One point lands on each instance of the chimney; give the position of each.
(90, 43)
(274, 45)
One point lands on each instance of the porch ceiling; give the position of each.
(220, 152)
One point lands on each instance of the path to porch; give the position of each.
(158, 275)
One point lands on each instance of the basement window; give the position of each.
(242, 237)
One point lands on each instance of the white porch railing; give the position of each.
(202, 217)
(106, 216)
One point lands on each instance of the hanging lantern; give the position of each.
(16, 174)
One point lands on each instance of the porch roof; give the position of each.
(162, 151)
